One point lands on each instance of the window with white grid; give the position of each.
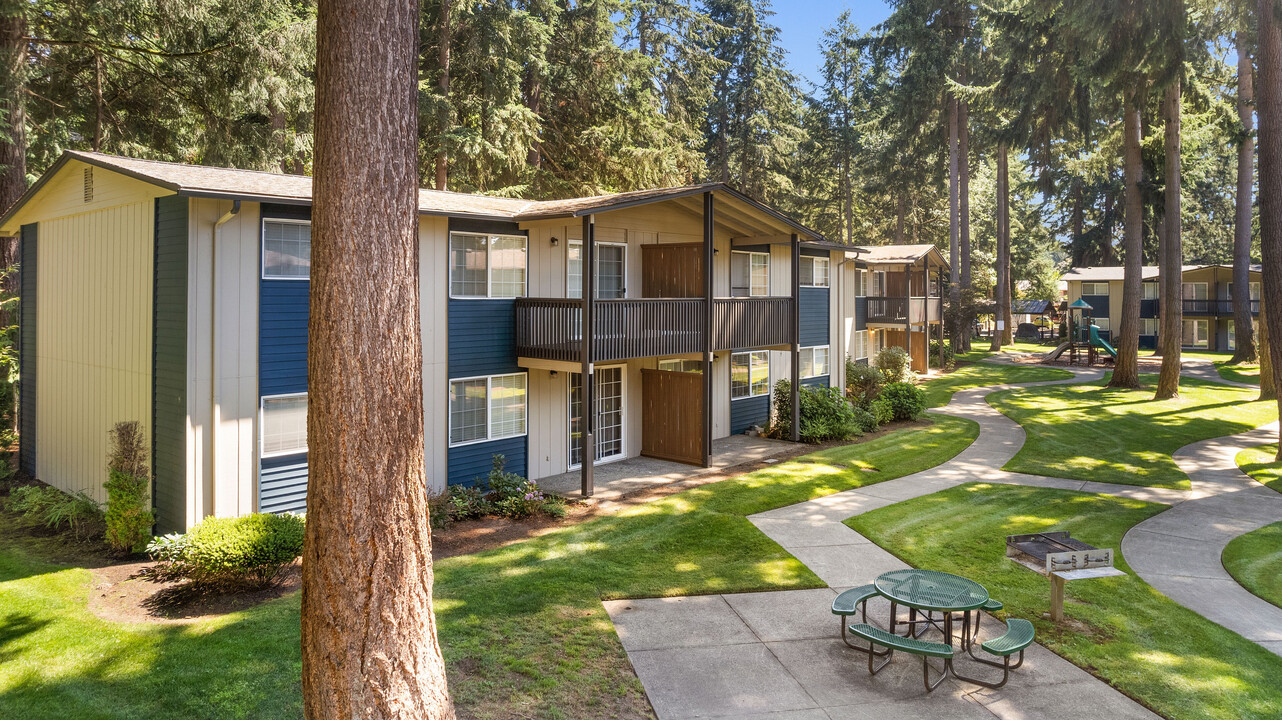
(487, 408)
(814, 271)
(487, 265)
(814, 361)
(287, 249)
(749, 374)
(284, 425)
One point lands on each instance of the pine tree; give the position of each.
(1243, 324)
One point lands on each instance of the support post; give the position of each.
(708, 329)
(908, 315)
(588, 391)
(1057, 598)
(796, 338)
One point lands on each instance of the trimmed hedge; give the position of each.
(250, 549)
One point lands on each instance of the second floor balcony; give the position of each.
(552, 328)
(1215, 307)
(901, 310)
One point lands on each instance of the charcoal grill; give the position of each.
(1062, 558)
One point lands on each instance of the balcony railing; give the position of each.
(742, 323)
(551, 328)
(1215, 307)
(903, 309)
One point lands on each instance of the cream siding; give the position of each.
(433, 258)
(93, 358)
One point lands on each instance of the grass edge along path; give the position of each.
(1119, 629)
(1093, 432)
(940, 390)
(1249, 374)
(1258, 463)
(522, 627)
(1254, 559)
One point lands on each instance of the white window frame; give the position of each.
(1205, 287)
(765, 354)
(596, 260)
(681, 363)
(1144, 324)
(623, 417)
(861, 345)
(262, 249)
(489, 267)
(811, 350)
(262, 427)
(814, 261)
(1206, 339)
(879, 283)
(1094, 286)
(1102, 323)
(861, 283)
(489, 409)
(752, 287)
(1146, 285)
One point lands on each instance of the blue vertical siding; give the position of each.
(470, 464)
(169, 366)
(1148, 308)
(861, 313)
(814, 316)
(816, 382)
(282, 369)
(27, 278)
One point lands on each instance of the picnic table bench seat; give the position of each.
(1018, 636)
(923, 648)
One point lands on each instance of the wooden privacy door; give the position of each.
(672, 415)
(672, 270)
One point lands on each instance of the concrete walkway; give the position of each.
(776, 655)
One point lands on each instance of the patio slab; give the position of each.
(787, 615)
(613, 480)
(665, 623)
(721, 681)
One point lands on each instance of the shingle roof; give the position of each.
(206, 181)
(1117, 272)
(895, 254)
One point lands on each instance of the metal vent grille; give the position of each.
(88, 184)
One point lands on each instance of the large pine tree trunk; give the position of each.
(1243, 326)
(444, 36)
(1126, 371)
(954, 270)
(901, 213)
(13, 74)
(369, 646)
(1171, 254)
(963, 210)
(1269, 108)
(1001, 301)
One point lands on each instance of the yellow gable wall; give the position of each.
(94, 320)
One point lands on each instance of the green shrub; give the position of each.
(247, 550)
(57, 510)
(949, 357)
(882, 411)
(168, 548)
(512, 496)
(864, 419)
(825, 414)
(129, 516)
(863, 382)
(906, 400)
(892, 361)
(466, 503)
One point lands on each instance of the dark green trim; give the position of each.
(169, 366)
(27, 278)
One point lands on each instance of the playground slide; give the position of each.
(1097, 340)
(1057, 351)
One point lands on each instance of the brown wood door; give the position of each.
(672, 416)
(918, 352)
(672, 270)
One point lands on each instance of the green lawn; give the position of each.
(1186, 354)
(522, 627)
(1240, 373)
(1258, 463)
(1091, 432)
(1120, 629)
(1255, 561)
(940, 390)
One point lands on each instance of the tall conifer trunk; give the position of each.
(1243, 326)
(1268, 386)
(369, 646)
(1126, 369)
(444, 36)
(954, 270)
(1171, 253)
(963, 209)
(1269, 108)
(13, 74)
(1001, 301)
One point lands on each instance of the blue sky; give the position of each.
(802, 23)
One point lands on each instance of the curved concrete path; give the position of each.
(771, 656)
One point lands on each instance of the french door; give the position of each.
(609, 415)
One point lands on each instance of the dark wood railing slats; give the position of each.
(550, 328)
(1215, 307)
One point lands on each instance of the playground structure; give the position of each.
(1084, 339)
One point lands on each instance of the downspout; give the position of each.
(213, 354)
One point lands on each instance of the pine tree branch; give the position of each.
(126, 48)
